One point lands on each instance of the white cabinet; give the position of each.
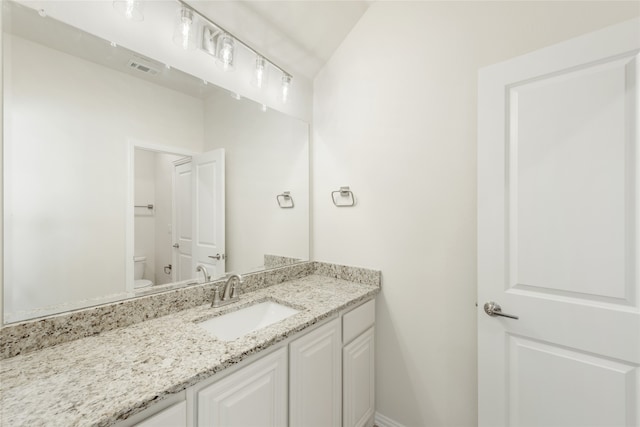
(315, 380)
(255, 395)
(358, 381)
(173, 416)
(323, 378)
(358, 397)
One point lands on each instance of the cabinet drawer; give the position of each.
(358, 320)
(173, 416)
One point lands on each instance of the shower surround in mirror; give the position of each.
(66, 179)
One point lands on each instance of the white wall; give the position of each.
(266, 153)
(68, 123)
(395, 118)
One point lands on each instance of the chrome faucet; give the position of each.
(230, 292)
(202, 268)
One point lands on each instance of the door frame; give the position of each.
(174, 222)
(132, 144)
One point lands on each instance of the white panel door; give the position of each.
(255, 396)
(358, 388)
(207, 193)
(182, 227)
(315, 379)
(558, 191)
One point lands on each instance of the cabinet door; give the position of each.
(173, 416)
(358, 381)
(253, 396)
(314, 378)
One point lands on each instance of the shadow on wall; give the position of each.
(402, 371)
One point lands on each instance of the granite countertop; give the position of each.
(104, 378)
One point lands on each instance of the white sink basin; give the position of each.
(233, 325)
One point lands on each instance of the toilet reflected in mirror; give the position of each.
(139, 282)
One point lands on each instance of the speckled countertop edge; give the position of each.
(33, 335)
(104, 378)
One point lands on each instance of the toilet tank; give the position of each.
(138, 267)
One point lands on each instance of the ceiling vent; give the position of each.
(143, 66)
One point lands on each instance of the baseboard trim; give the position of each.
(382, 421)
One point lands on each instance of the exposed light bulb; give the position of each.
(226, 51)
(259, 75)
(186, 29)
(183, 34)
(286, 84)
(130, 9)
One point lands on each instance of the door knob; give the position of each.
(217, 256)
(176, 245)
(493, 309)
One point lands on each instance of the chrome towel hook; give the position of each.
(344, 192)
(283, 200)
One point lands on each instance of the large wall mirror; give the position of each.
(121, 174)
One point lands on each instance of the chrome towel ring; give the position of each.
(344, 192)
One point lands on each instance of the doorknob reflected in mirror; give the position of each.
(493, 309)
(217, 256)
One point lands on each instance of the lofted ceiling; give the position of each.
(300, 36)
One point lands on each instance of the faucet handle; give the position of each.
(216, 297)
(234, 294)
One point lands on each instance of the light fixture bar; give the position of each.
(243, 43)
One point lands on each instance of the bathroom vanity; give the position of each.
(322, 376)
(314, 367)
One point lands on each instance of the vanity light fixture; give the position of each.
(226, 51)
(130, 9)
(184, 30)
(220, 43)
(259, 74)
(286, 84)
